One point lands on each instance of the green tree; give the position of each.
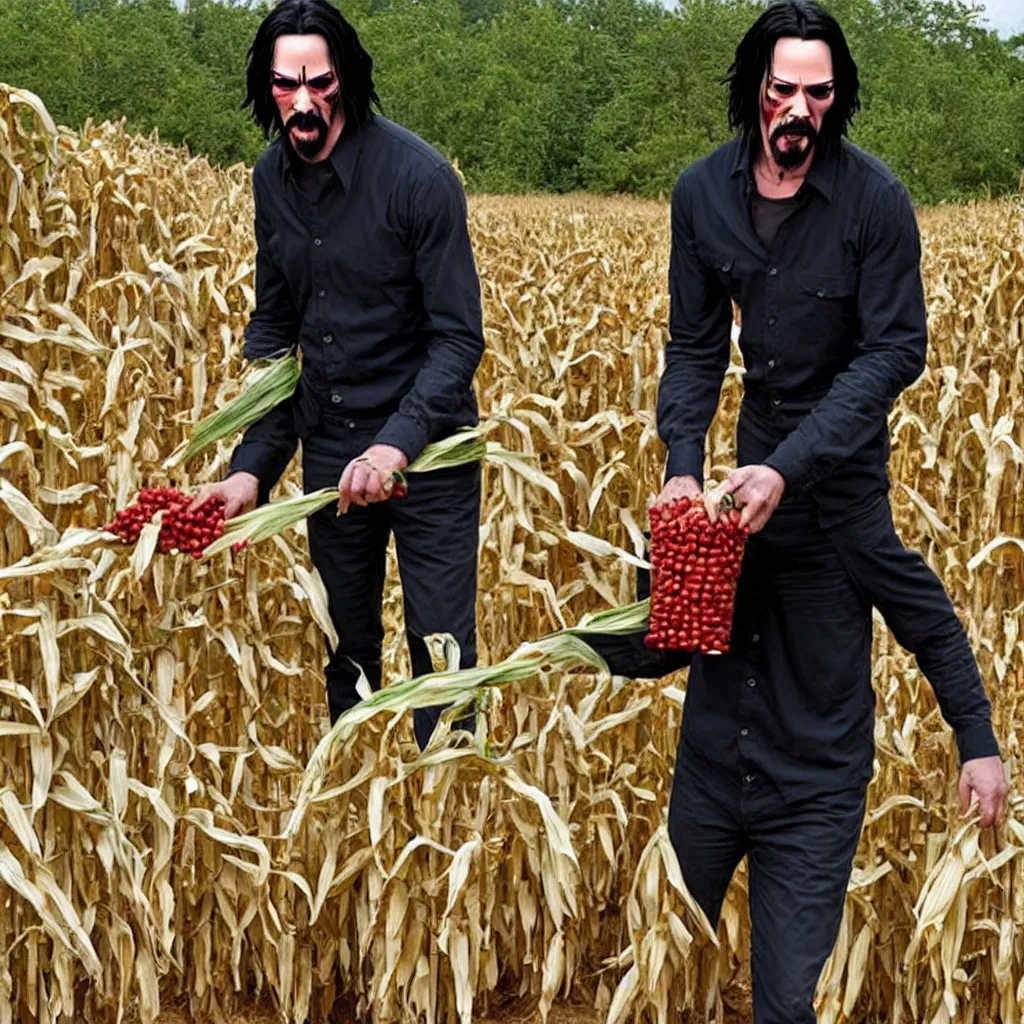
(607, 95)
(47, 57)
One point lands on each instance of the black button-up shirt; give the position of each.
(833, 328)
(364, 264)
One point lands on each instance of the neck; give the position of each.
(776, 182)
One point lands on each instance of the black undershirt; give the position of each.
(769, 215)
(313, 177)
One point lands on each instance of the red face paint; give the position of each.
(307, 92)
(769, 108)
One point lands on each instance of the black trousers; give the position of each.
(436, 528)
(799, 858)
(799, 855)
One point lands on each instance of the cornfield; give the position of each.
(172, 825)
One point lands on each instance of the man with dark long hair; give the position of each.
(816, 242)
(364, 263)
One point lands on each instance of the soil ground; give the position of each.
(525, 1014)
(520, 1013)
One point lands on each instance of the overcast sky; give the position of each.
(1005, 16)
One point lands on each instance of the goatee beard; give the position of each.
(309, 120)
(793, 157)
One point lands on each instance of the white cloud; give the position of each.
(1005, 16)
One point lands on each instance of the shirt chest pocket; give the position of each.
(730, 272)
(824, 309)
(828, 287)
(374, 279)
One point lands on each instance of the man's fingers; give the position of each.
(360, 478)
(733, 485)
(965, 795)
(755, 512)
(373, 490)
(714, 497)
(754, 517)
(737, 478)
(989, 808)
(676, 488)
(202, 496)
(345, 489)
(748, 510)
(711, 500)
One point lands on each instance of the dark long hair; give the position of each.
(802, 19)
(353, 65)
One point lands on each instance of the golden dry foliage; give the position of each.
(159, 718)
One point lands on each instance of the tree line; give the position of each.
(541, 95)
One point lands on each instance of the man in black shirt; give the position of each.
(817, 243)
(364, 262)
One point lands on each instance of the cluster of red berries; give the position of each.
(182, 528)
(694, 567)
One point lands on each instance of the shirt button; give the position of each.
(752, 682)
(773, 271)
(318, 241)
(328, 338)
(820, 293)
(771, 321)
(351, 425)
(748, 779)
(771, 364)
(744, 731)
(322, 292)
(336, 399)
(755, 638)
(776, 402)
(727, 267)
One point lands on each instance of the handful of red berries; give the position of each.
(695, 564)
(182, 529)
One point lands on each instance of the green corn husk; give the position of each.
(270, 519)
(458, 449)
(267, 384)
(455, 689)
(630, 618)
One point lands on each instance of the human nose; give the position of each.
(800, 107)
(303, 101)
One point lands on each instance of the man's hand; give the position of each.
(757, 491)
(239, 492)
(676, 488)
(983, 777)
(368, 478)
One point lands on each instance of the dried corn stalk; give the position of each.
(172, 818)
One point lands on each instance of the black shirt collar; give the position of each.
(821, 176)
(343, 158)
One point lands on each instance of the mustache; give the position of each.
(797, 126)
(305, 120)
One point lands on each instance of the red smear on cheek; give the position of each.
(769, 108)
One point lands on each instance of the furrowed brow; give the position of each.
(810, 85)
